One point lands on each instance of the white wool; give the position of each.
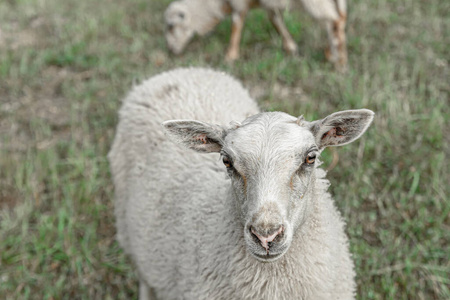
(175, 213)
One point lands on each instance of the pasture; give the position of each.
(65, 66)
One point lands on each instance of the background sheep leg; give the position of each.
(289, 44)
(342, 46)
(337, 51)
(145, 292)
(236, 32)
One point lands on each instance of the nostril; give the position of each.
(253, 233)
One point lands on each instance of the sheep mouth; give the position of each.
(270, 257)
(175, 51)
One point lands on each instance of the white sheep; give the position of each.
(256, 224)
(185, 18)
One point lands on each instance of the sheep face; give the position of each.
(271, 159)
(178, 28)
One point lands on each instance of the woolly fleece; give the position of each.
(174, 207)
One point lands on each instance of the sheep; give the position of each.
(258, 223)
(185, 18)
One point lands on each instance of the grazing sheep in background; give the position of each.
(184, 18)
(256, 224)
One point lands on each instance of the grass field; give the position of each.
(65, 65)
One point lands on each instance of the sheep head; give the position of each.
(271, 159)
(179, 30)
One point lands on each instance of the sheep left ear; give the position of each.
(195, 135)
(341, 128)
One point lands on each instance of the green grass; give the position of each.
(65, 65)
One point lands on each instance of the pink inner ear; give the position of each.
(201, 138)
(334, 134)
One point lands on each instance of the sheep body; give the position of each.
(175, 213)
(184, 18)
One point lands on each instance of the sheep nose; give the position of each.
(266, 236)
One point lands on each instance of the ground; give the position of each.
(65, 66)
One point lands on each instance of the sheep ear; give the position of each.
(198, 136)
(342, 127)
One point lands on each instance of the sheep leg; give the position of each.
(236, 32)
(342, 46)
(337, 51)
(145, 292)
(289, 44)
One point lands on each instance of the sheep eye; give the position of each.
(227, 162)
(181, 15)
(310, 158)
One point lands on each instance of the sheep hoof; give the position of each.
(291, 49)
(231, 56)
(341, 68)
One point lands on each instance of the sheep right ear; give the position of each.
(341, 127)
(195, 135)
